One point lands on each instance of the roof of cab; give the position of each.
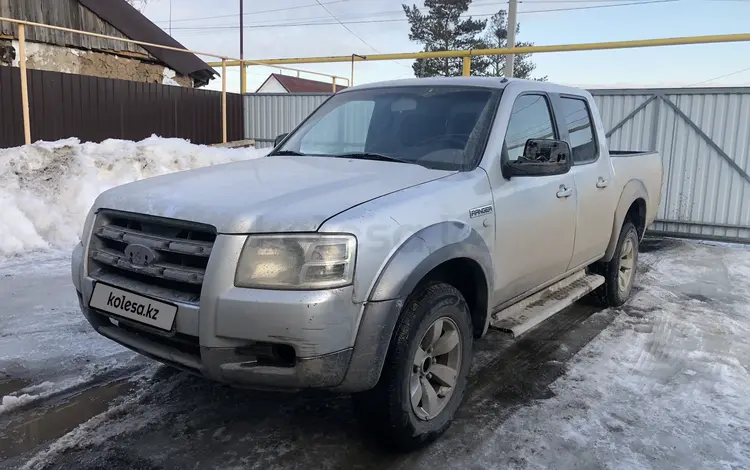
(487, 82)
(484, 82)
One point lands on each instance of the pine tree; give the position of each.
(496, 37)
(443, 29)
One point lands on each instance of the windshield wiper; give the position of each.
(292, 153)
(372, 156)
(362, 155)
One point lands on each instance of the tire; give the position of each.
(386, 411)
(613, 293)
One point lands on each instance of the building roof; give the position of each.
(109, 17)
(66, 14)
(302, 85)
(136, 26)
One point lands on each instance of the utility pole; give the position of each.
(509, 58)
(170, 17)
(243, 77)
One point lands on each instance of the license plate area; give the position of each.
(138, 308)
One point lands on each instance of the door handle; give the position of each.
(602, 183)
(564, 191)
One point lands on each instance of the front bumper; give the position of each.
(228, 365)
(219, 338)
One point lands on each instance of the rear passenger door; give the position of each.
(593, 178)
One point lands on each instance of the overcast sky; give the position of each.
(286, 32)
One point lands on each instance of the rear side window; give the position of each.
(580, 128)
(529, 119)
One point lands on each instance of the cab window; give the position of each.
(530, 119)
(580, 130)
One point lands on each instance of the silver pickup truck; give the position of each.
(374, 244)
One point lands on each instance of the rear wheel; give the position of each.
(425, 374)
(619, 273)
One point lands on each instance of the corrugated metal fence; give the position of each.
(703, 135)
(93, 109)
(269, 114)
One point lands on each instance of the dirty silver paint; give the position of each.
(270, 194)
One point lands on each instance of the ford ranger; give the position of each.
(374, 244)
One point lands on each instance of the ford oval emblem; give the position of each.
(140, 255)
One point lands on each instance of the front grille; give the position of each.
(179, 252)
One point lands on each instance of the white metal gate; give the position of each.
(703, 136)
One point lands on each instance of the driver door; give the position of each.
(535, 215)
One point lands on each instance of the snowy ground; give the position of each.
(660, 383)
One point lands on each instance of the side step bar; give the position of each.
(531, 311)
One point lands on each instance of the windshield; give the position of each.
(443, 127)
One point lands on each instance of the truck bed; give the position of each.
(645, 167)
(628, 153)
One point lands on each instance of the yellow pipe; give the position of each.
(104, 36)
(235, 63)
(591, 46)
(224, 102)
(243, 79)
(24, 84)
(467, 67)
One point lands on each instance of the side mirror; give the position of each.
(541, 157)
(279, 138)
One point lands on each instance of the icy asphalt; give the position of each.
(660, 383)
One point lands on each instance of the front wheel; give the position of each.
(425, 374)
(619, 273)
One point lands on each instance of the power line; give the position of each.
(721, 76)
(346, 27)
(310, 5)
(260, 12)
(598, 6)
(354, 34)
(475, 3)
(393, 20)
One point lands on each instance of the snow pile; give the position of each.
(9, 402)
(47, 188)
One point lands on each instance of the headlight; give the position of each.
(296, 262)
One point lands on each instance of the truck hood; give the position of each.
(268, 194)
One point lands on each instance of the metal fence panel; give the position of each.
(269, 114)
(11, 115)
(93, 109)
(703, 136)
